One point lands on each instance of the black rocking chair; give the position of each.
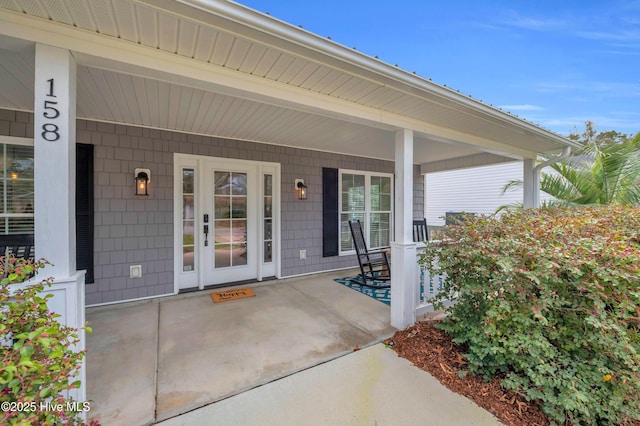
(420, 230)
(374, 264)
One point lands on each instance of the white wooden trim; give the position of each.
(10, 140)
(192, 277)
(403, 249)
(196, 162)
(367, 204)
(55, 158)
(131, 58)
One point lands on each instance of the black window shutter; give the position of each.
(329, 212)
(84, 210)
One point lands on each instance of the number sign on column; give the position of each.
(50, 130)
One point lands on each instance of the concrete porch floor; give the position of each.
(153, 360)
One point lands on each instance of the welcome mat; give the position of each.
(380, 294)
(236, 293)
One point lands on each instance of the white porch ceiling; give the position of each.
(319, 95)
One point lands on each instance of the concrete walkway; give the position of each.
(372, 386)
(236, 362)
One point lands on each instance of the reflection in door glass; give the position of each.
(188, 223)
(267, 226)
(230, 207)
(222, 183)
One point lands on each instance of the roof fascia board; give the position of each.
(130, 58)
(470, 161)
(290, 34)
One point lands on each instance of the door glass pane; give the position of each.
(222, 207)
(222, 256)
(239, 231)
(187, 207)
(268, 185)
(239, 183)
(222, 183)
(267, 229)
(239, 254)
(267, 223)
(222, 243)
(187, 259)
(222, 232)
(267, 207)
(187, 181)
(187, 233)
(239, 208)
(188, 222)
(268, 252)
(230, 202)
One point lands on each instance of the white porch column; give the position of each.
(530, 185)
(55, 158)
(55, 165)
(403, 249)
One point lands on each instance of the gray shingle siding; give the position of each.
(130, 230)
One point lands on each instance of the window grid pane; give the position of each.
(379, 233)
(230, 224)
(16, 189)
(346, 240)
(367, 197)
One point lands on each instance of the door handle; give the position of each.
(206, 235)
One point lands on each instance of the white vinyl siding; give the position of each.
(472, 190)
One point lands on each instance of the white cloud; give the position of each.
(603, 88)
(628, 36)
(532, 23)
(565, 125)
(523, 107)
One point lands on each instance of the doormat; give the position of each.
(237, 293)
(380, 294)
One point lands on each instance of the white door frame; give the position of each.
(194, 279)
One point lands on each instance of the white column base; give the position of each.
(68, 302)
(404, 279)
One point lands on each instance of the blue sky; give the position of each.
(555, 63)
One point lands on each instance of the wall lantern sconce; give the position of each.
(301, 189)
(142, 177)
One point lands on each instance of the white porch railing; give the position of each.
(68, 301)
(427, 285)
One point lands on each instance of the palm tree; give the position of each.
(606, 170)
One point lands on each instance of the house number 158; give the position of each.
(50, 131)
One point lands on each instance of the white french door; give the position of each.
(227, 220)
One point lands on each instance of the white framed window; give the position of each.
(16, 187)
(368, 197)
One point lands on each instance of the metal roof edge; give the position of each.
(285, 31)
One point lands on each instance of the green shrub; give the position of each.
(39, 361)
(550, 300)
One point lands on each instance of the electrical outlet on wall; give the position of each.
(303, 254)
(135, 271)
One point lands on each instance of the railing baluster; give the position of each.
(427, 286)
